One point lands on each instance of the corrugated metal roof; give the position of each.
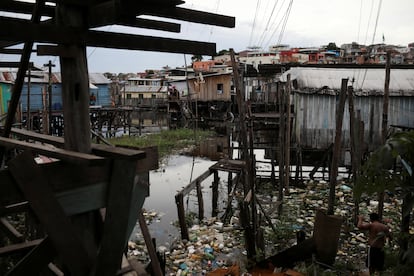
(43, 77)
(98, 78)
(365, 81)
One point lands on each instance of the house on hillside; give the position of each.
(315, 94)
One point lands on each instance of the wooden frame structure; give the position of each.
(89, 197)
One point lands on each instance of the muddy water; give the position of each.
(176, 172)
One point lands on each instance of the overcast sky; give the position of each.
(268, 22)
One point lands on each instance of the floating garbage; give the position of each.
(213, 245)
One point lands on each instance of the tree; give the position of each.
(332, 46)
(223, 52)
(196, 58)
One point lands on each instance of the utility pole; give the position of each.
(49, 92)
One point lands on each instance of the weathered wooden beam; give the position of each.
(18, 248)
(50, 213)
(21, 73)
(12, 64)
(121, 152)
(24, 7)
(65, 155)
(193, 16)
(155, 264)
(151, 24)
(7, 228)
(74, 196)
(114, 237)
(18, 29)
(36, 260)
(55, 50)
(12, 51)
(14, 208)
(193, 183)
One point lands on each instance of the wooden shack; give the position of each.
(315, 95)
(85, 199)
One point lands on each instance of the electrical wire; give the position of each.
(373, 38)
(281, 22)
(268, 22)
(254, 22)
(285, 23)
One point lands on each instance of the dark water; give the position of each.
(175, 173)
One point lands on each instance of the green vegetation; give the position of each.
(167, 141)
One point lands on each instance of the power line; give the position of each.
(254, 22)
(281, 22)
(285, 22)
(268, 22)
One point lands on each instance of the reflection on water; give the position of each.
(175, 173)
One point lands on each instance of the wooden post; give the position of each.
(49, 93)
(155, 264)
(214, 204)
(354, 140)
(281, 155)
(384, 125)
(287, 133)
(28, 117)
(200, 201)
(179, 201)
(337, 147)
(75, 84)
(18, 83)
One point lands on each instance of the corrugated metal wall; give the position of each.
(5, 95)
(103, 96)
(315, 118)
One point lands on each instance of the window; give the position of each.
(219, 88)
(128, 96)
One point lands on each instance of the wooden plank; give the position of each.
(24, 7)
(65, 155)
(118, 152)
(56, 50)
(194, 16)
(151, 158)
(10, 231)
(20, 76)
(337, 146)
(84, 199)
(114, 237)
(193, 183)
(14, 208)
(18, 29)
(12, 64)
(37, 259)
(18, 248)
(155, 264)
(49, 212)
(98, 149)
(179, 201)
(43, 138)
(62, 177)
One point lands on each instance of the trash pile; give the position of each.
(213, 245)
(210, 246)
